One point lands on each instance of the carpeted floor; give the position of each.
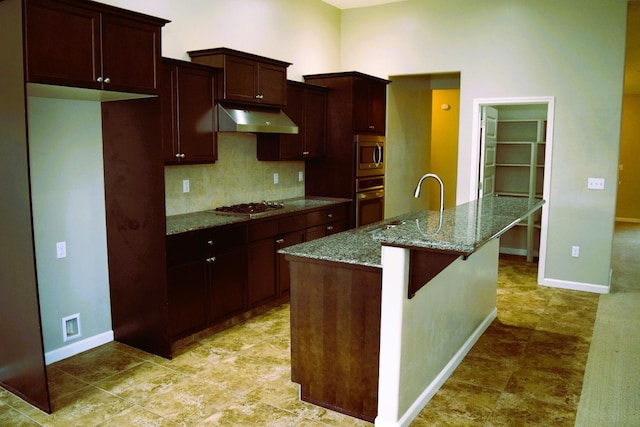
(611, 390)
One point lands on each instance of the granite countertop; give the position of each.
(459, 230)
(176, 224)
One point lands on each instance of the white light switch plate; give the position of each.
(185, 186)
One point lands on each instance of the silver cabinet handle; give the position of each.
(305, 153)
(99, 79)
(178, 155)
(182, 155)
(330, 215)
(107, 80)
(259, 96)
(330, 227)
(280, 241)
(212, 259)
(372, 127)
(210, 242)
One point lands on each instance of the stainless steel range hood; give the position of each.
(255, 120)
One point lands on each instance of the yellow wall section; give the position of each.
(628, 201)
(444, 145)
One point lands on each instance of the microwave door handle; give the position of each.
(377, 155)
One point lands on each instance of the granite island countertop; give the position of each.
(182, 223)
(458, 230)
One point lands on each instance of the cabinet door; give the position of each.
(378, 106)
(288, 239)
(262, 271)
(62, 44)
(227, 277)
(187, 288)
(369, 106)
(315, 124)
(272, 86)
(240, 80)
(169, 106)
(291, 146)
(130, 55)
(195, 116)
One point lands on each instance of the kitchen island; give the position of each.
(382, 315)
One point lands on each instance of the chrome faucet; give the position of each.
(437, 178)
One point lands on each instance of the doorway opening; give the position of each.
(512, 146)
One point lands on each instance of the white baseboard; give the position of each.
(518, 251)
(77, 347)
(442, 377)
(576, 286)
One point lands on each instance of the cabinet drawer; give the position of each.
(292, 223)
(274, 227)
(325, 216)
(262, 230)
(196, 245)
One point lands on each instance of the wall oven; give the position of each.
(369, 155)
(369, 200)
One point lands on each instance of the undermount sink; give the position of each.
(388, 226)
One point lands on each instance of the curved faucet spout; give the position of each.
(437, 178)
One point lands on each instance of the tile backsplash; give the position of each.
(236, 177)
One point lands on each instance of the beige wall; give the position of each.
(520, 49)
(628, 201)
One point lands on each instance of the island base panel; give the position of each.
(335, 335)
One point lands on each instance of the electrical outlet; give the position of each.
(595, 183)
(575, 251)
(185, 186)
(61, 249)
(275, 178)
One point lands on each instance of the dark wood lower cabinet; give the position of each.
(227, 283)
(187, 285)
(289, 239)
(218, 273)
(262, 271)
(207, 272)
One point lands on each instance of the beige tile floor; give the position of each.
(526, 369)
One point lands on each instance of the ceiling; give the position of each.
(350, 4)
(632, 62)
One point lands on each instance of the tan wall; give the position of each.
(444, 144)
(628, 201)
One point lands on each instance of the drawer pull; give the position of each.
(280, 241)
(330, 215)
(330, 227)
(210, 243)
(212, 259)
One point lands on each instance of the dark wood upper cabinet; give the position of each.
(307, 107)
(247, 78)
(187, 113)
(369, 104)
(90, 45)
(358, 103)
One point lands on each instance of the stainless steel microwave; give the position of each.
(369, 155)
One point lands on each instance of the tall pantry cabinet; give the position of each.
(93, 48)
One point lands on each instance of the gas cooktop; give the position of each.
(249, 209)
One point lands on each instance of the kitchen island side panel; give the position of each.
(335, 335)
